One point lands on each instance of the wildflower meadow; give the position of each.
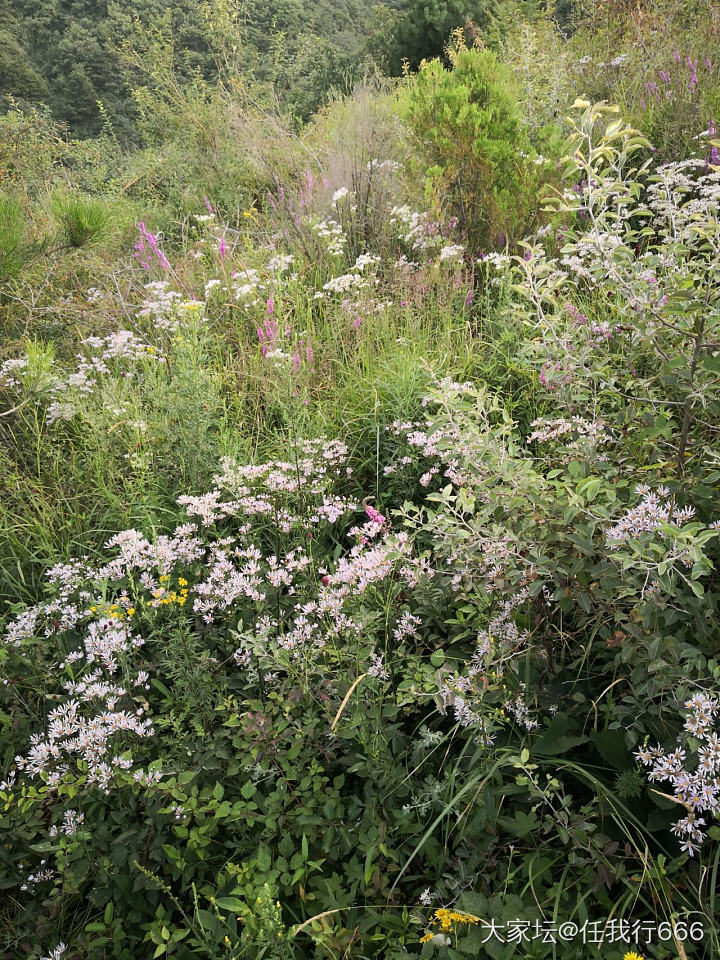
(360, 460)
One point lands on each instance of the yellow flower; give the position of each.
(446, 918)
(427, 937)
(131, 611)
(631, 955)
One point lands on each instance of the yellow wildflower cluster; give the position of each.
(446, 919)
(190, 308)
(164, 596)
(112, 610)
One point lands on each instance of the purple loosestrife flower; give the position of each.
(267, 334)
(147, 249)
(306, 190)
(714, 151)
(222, 248)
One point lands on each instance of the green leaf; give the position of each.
(522, 823)
(233, 904)
(263, 859)
(610, 744)
(556, 739)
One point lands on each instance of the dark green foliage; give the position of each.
(14, 245)
(68, 54)
(82, 220)
(65, 44)
(422, 28)
(468, 127)
(18, 77)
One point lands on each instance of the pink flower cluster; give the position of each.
(147, 249)
(655, 511)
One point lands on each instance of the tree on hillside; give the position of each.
(18, 77)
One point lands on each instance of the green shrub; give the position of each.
(468, 129)
(14, 246)
(83, 220)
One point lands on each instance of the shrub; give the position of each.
(467, 126)
(15, 249)
(83, 220)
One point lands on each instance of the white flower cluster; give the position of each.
(8, 369)
(453, 251)
(655, 510)
(339, 195)
(159, 304)
(392, 166)
(72, 821)
(415, 228)
(280, 263)
(570, 431)
(357, 277)
(377, 668)
(331, 231)
(698, 791)
(56, 953)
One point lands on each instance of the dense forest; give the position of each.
(68, 54)
(359, 480)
